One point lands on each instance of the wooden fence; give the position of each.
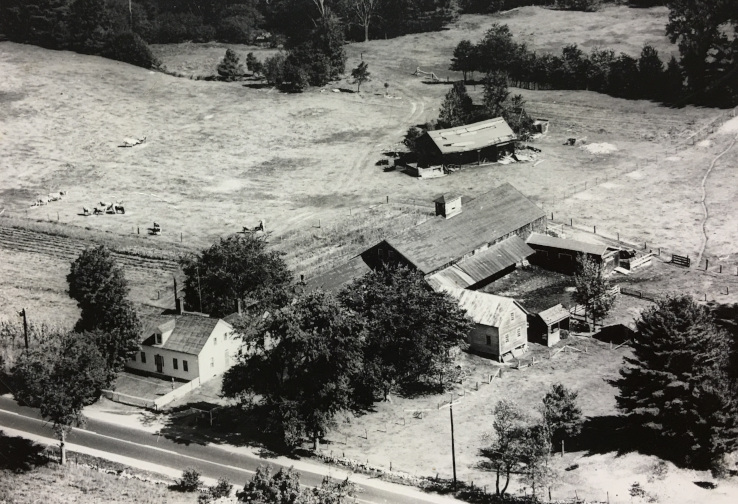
(639, 294)
(681, 260)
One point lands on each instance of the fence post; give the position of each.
(571, 222)
(594, 228)
(707, 263)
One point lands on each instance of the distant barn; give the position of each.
(477, 143)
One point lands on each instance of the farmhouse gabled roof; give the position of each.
(483, 308)
(437, 242)
(483, 265)
(542, 240)
(472, 136)
(189, 335)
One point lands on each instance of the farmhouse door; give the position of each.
(159, 363)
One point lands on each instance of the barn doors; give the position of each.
(159, 361)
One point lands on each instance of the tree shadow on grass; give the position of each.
(19, 454)
(613, 433)
(204, 423)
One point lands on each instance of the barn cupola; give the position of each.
(448, 205)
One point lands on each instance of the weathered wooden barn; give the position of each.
(560, 254)
(470, 242)
(477, 143)
(500, 323)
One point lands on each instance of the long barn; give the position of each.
(470, 242)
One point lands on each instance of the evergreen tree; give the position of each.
(88, 25)
(673, 82)
(650, 73)
(561, 415)
(230, 69)
(360, 75)
(456, 109)
(495, 94)
(677, 385)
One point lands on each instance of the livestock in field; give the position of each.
(85, 211)
(119, 208)
(98, 210)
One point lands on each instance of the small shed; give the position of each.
(540, 126)
(549, 323)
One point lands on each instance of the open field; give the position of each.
(220, 156)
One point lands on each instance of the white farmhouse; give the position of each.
(185, 346)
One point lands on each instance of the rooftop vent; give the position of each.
(448, 205)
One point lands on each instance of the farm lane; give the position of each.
(115, 442)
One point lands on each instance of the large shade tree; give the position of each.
(592, 288)
(410, 328)
(60, 378)
(677, 385)
(99, 286)
(300, 364)
(236, 267)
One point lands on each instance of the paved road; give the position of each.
(211, 461)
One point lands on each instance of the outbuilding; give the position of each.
(500, 323)
(549, 323)
(560, 254)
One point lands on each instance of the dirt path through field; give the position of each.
(704, 196)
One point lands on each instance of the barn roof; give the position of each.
(554, 314)
(542, 240)
(439, 241)
(334, 279)
(189, 334)
(483, 265)
(483, 308)
(472, 136)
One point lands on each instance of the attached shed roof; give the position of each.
(483, 308)
(554, 314)
(439, 241)
(472, 136)
(542, 240)
(334, 279)
(483, 265)
(189, 335)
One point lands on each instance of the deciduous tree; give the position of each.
(677, 385)
(60, 378)
(99, 286)
(410, 328)
(592, 289)
(301, 362)
(465, 58)
(230, 67)
(235, 268)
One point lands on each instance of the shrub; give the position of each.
(274, 69)
(130, 48)
(253, 64)
(230, 67)
(190, 480)
(221, 489)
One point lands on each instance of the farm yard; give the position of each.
(222, 156)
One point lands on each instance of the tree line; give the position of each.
(85, 25)
(705, 74)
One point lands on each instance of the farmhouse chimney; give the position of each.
(448, 205)
(179, 305)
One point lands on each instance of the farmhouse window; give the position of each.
(390, 254)
(507, 338)
(518, 333)
(184, 366)
(158, 339)
(489, 340)
(143, 358)
(174, 364)
(212, 362)
(512, 316)
(381, 252)
(215, 341)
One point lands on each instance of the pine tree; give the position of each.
(230, 67)
(676, 385)
(360, 75)
(456, 109)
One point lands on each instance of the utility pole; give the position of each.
(453, 450)
(22, 313)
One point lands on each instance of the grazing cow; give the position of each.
(85, 210)
(119, 208)
(98, 211)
